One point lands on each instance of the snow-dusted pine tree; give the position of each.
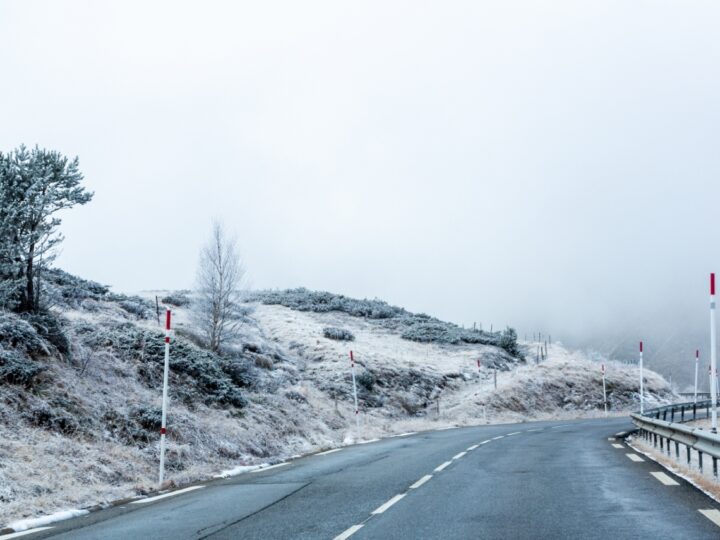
(34, 185)
(217, 311)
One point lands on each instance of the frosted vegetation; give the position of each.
(80, 387)
(412, 326)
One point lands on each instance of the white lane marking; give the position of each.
(263, 469)
(408, 433)
(421, 481)
(611, 439)
(326, 452)
(498, 437)
(348, 533)
(712, 514)
(441, 467)
(664, 478)
(444, 428)
(620, 434)
(371, 440)
(485, 442)
(513, 433)
(31, 531)
(458, 456)
(634, 457)
(473, 447)
(536, 429)
(561, 425)
(616, 445)
(166, 495)
(388, 504)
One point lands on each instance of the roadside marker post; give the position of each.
(642, 396)
(604, 392)
(357, 411)
(713, 355)
(163, 424)
(697, 362)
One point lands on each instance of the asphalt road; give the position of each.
(551, 480)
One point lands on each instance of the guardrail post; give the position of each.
(672, 414)
(700, 460)
(655, 440)
(677, 450)
(682, 413)
(665, 415)
(688, 454)
(715, 472)
(694, 411)
(661, 444)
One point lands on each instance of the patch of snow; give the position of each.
(31, 523)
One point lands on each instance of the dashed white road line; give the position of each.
(664, 478)
(513, 433)
(421, 481)
(31, 531)
(263, 469)
(473, 447)
(368, 441)
(634, 457)
(166, 495)
(326, 452)
(498, 437)
(620, 434)
(388, 504)
(441, 467)
(485, 442)
(536, 429)
(458, 456)
(712, 514)
(348, 533)
(611, 439)
(616, 445)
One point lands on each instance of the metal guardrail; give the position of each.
(655, 428)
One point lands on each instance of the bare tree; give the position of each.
(220, 276)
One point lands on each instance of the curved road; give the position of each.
(550, 480)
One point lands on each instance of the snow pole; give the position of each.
(163, 423)
(697, 362)
(604, 392)
(478, 366)
(713, 355)
(642, 396)
(357, 411)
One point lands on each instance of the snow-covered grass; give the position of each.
(86, 432)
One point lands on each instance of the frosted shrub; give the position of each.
(17, 369)
(339, 334)
(176, 299)
(18, 333)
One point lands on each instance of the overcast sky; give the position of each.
(548, 164)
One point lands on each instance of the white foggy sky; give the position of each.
(541, 164)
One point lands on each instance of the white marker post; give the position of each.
(697, 364)
(604, 392)
(357, 411)
(713, 355)
(478, 365)
(642, 395)
(163, 424)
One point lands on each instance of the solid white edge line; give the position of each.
(270, 467)
(388, 504)
(473, 447)
(326, 452)
(29, 531)
(513, 433)
(407, 434)
(611, 439)
(615, 445)
(421, 481)
(441, 467)
(458, 456)
(498, 437)
(635, 458)
(348, 533)
(712, 514)
(664, 479)
(166, 495)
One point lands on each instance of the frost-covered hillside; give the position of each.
(80, 388)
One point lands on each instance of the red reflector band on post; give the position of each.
(712, 283)
(163, 431)
(167, 339)
(697, 354)
(167, 320)
(641, 346)
(352, 359)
